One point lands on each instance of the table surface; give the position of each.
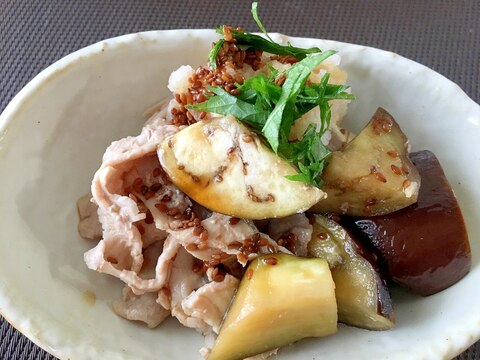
(441, 34)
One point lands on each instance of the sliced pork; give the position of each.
(219, 238)
(182, 282)
(129, 180)
(142, 308)
(210, 302)
(293, 232)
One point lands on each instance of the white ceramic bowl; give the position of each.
(52, 137)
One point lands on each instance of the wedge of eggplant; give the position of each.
(372, 175)
(281, 299)
(363, 298)
(225, 167)
(425, 246)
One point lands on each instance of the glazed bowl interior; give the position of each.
(53, 135)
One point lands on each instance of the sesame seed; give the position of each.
(191, 247)
(198, 230)
(155, 187)
(219, 278)
(241, 258)
(270, 261)
(202, 246)
(112, 260)
(227, 34)
(212, 263)
(166, 198)
(380, 177)
(271, 249)
(204, 236)
(396, 170)
(233, 220)
(263, 242)
(280, 81)
(284, 59)
(234, 246)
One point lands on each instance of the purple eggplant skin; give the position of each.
(424, 246)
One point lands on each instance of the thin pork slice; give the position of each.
(129, 176)
(210, 302)
(142, 308)
(293, 232)
(219, 238)
(182, 282)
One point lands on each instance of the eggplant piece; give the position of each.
(363, 299)
(425, 246)
(372, 175)
(281, 299)
(225, 167)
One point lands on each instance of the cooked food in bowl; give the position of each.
(238, 208)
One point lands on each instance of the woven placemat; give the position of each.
(442, 34)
